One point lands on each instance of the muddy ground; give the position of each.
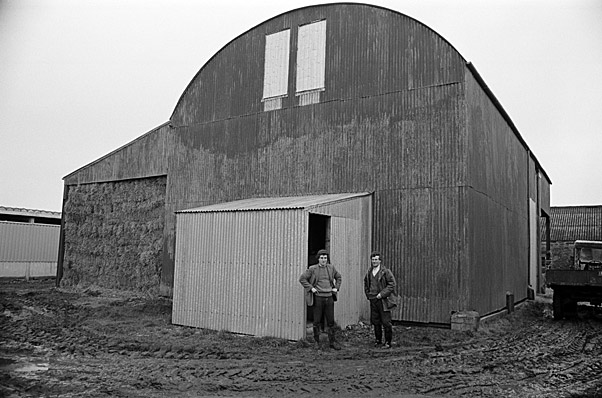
(101, 343)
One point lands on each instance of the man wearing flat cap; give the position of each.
(322, 283)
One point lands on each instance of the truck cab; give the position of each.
(581, 283)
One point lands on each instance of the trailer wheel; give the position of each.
(557, 305)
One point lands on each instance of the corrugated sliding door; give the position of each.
(345, 243)
(238, 271)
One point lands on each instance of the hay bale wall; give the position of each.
(561, 254)
(113, 234)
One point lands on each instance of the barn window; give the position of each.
(275, 77)
(311, 62)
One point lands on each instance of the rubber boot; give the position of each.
(332, 340)
(317, 335)
(378, 334)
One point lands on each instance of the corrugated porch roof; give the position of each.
(275, 203)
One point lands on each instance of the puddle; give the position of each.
(31, 367)
(22, 366)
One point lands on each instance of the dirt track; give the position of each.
(99, 343)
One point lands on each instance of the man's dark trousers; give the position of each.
(323, 307)
(380, 318)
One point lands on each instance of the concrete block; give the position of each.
(465, 320)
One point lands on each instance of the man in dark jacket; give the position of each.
(379, 285)
(322, 283)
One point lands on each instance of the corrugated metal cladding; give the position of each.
(421, 234)
(146, 156)
(26, 242)
(401, 114)
(239, 270)
(369, 51)
(496, 205)
(571, 223)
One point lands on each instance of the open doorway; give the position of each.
(318, 238)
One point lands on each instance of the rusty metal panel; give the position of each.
(498, 246)
(238, 271)
(420, 233)
(146, 156)
(498, 162)
(368, 51)
(27, 242)
(544, 193)
(400, 115)
(533, 180)
(500, 180)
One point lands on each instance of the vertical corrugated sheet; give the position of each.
(350, 237)
(544, 194)
(497, 205)
(367, 51)
(420, 237)
(146, 156)
(398, 116)
(238, 271)
(22, 242)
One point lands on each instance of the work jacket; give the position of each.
(309, 280)
(386, 286)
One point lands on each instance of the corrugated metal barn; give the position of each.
(329, 99)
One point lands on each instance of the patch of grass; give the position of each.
(225, 335)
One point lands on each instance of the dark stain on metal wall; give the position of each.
(497, 205)
(394, 118)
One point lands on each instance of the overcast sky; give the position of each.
(79, 79)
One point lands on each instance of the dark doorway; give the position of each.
(319, 238)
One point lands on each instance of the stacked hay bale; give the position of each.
(113, 234)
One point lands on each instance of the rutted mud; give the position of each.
(99, 343)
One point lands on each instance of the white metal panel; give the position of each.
(275, 78)
(13, 269)
(28, 242)
(311, 56)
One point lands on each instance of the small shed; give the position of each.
(237, 264)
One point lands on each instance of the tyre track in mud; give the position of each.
(551, 359)
(127, 347)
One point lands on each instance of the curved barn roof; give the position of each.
(413, 44)
(297, 10)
